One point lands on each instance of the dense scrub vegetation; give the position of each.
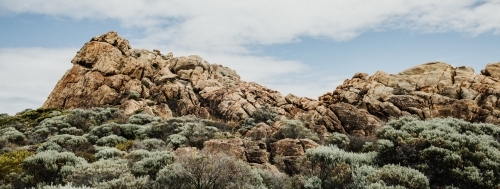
(102, 148)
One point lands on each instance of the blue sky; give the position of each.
(300, 47)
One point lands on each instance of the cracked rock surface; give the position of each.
(107, 72)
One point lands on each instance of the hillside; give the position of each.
(131, 118)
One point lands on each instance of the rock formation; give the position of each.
(108, 72)
(430, 90)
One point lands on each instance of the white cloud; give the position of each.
(227, 26)
(222, 31)
(28, 75)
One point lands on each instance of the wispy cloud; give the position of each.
(224, 32)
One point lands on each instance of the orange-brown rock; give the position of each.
(108, 72)
(430, 90)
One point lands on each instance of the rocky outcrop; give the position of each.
(430, 90)
(108, 72)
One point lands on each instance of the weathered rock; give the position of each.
(107, 72)
(429, 90)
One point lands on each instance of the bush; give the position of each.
(111, 140)
(265, 114)
(86, 119)
(152, 163)
(275, 180)
(51, 166)
(100, 171)
(334, 166)
(11, 135)
(66, 143)
(393, 176)
(152, 144)
(142, 119)
(448, 151)
(201, 170)
(338, 139)
(11, 163)
(108, 153)
(295, 129)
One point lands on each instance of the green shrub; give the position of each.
(448, 151)
(11, 162)
(124, 146)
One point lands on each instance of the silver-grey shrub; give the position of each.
(204, 171)
(393, 176)
(108, 153)
(100, 171)
(12, 135)
(448, 151)
(66, 142)
(333, 166)
(142, 119)
(295, 129)
(51, 166)
(150, 144)
(111, 140)
(151, 163)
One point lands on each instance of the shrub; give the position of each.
(265, 114)
(134, 95)
(142, 119)
(334, 166)
(51, 166)
(11, 135)
(98, 172)
(124, 146)
(126, 180)
(11, 163)
(202, 170)
(275, 180)
(46, 128)
(103, 130)
(111, 140)
(338, 139)
(152, 163)
(152, 144)
(295, 129)
(86, 119)
(188, 132)
(248, 124)
(66, 143)
(108, 153)
(448, 151)
(132, 131)
(393, 176)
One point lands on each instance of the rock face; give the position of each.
(108, 72)
(430, 90)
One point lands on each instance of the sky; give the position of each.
(306, 48)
